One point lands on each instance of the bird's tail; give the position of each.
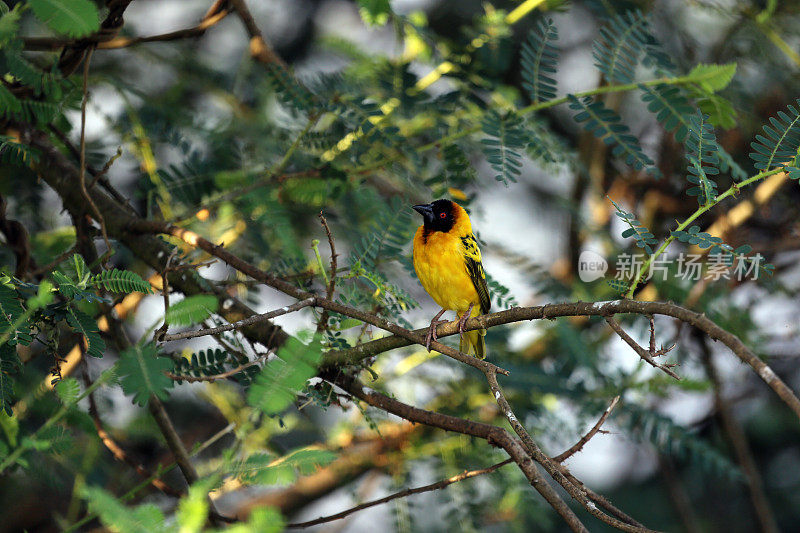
(472, 342)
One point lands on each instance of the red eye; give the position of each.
(442, 215)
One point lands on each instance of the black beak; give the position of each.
(426, 210)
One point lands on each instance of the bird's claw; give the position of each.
(431, 336)
(463, 320)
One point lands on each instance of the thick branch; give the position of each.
(609, 308)
(192, 238)
(55, 169)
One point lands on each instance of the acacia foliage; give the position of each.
(360, 144)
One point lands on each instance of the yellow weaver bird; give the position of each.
(448, 264)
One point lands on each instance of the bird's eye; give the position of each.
(442, 215)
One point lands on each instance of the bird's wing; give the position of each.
(472, 259)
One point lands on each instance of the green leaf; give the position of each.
(86, 326)
(643, 236)
(192, 310)
(192, 511)
(9, 364)
(712, 78)
(502, 148)
(262, 520)
(10, 311)
(374, 12)
(701, 151)
(123, 281)
(113, 514)
(14, 153)
(622, 41)
(68, 390)
(264, 470)
(141, 373)
(780, 142)
(539, 59)
(8, 102)
(283, 377)
(605, 124)
(9, 23)
(74, 18)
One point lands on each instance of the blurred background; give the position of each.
(198, 119)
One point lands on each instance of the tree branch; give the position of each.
(494, 435)
(241, 323)
(644, 354)
(556, 471)
(259, 48)
(601, 309)
(578, 446)
(402, 494)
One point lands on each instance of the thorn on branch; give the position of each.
(646, 355)
(578, 446)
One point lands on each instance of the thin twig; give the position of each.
(644, 354)
(494, 435)
(241, 323)
(105, 41)
(738, 441)
(117, 451)
(259, 49)
(556, 470)
(160, 332)
(578, 446)
(402, 494)
(193, 239)
(223, 375)
(323, 318)
(82, 168)
(106, 167)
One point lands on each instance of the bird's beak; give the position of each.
(426, 210)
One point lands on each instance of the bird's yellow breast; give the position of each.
(441, 268)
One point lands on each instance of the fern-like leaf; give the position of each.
(10, 310)
(539, 58)
(622, 41)
(115, 515)
(121, 281)
(676, 441)
(387, 237)
(283, 377)
(263, 469)
(290, 91)
(643, 236)
(701, 152)
(74, 18)
(672, 109)
(141, 373)
(503, 146)
(9, 364)
(68, 390)
(14, 153)
(780, 142)
(607, 125)
(192, 310)
(86, 326)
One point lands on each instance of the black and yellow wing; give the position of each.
(472, 259)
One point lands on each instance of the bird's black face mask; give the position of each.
(438, 216)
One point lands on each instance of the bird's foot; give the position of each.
(463, 319)
(431, 336)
